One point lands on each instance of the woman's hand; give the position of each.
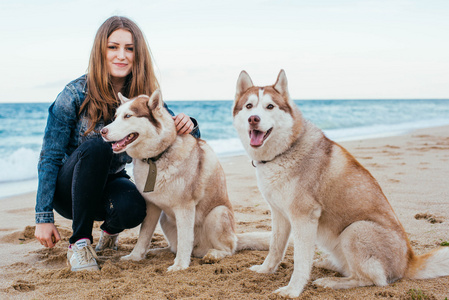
(183, 124)
(47, 234)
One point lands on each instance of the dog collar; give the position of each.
(152, 172)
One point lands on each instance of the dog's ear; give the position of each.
(281, 84)
(243, 84)
(155, 103)
(122, 98)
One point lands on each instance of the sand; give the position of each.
(412, 170)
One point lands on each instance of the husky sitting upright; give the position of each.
(189, 188)
(321, 194)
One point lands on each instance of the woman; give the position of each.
(79, 176)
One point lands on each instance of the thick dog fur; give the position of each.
(321, 194)
(190, 197)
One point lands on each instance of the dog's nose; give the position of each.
(104, 131)
(253, 120)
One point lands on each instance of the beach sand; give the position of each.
(412, 170)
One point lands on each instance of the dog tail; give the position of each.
(429, 265)
(253, 241)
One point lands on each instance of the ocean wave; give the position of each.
(341, 120)
(19, 165)
(227, 147)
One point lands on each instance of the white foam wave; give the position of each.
(19, 165)
(227, 147)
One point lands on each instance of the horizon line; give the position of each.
(204, 100)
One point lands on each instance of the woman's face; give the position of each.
(120, 53)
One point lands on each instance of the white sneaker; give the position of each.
(81, 256)
(107, 241)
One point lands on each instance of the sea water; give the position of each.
(22, 128)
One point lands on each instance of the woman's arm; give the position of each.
(47, 234)
(62, 118)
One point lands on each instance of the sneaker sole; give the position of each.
(91, 268)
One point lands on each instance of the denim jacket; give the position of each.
(63, 134)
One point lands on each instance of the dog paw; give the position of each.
(320, 282)
(214, 256)
(261, 269)
(210, 258)
(325, 282)
(344, 282)
(288, 292)
(131, 257)
(175, 268)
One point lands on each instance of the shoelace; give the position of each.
(85, 254)
(107, 241)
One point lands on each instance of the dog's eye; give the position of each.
(249, 106)
(270, 106)
(127, 116)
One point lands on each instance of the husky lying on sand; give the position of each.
(188, 185)
(321, 194)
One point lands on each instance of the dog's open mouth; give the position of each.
(120, 145)
(258, 137)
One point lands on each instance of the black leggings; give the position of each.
(86, 192)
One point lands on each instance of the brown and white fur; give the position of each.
(321, 194)
(190, 196)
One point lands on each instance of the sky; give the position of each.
(329, 49)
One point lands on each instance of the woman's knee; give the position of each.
(131, 214)
(127, 206)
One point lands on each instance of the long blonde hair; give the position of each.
(101, 99)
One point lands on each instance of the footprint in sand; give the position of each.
(429, 218)
(23, 286)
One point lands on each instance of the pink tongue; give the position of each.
(119, 144)
(256, 137)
